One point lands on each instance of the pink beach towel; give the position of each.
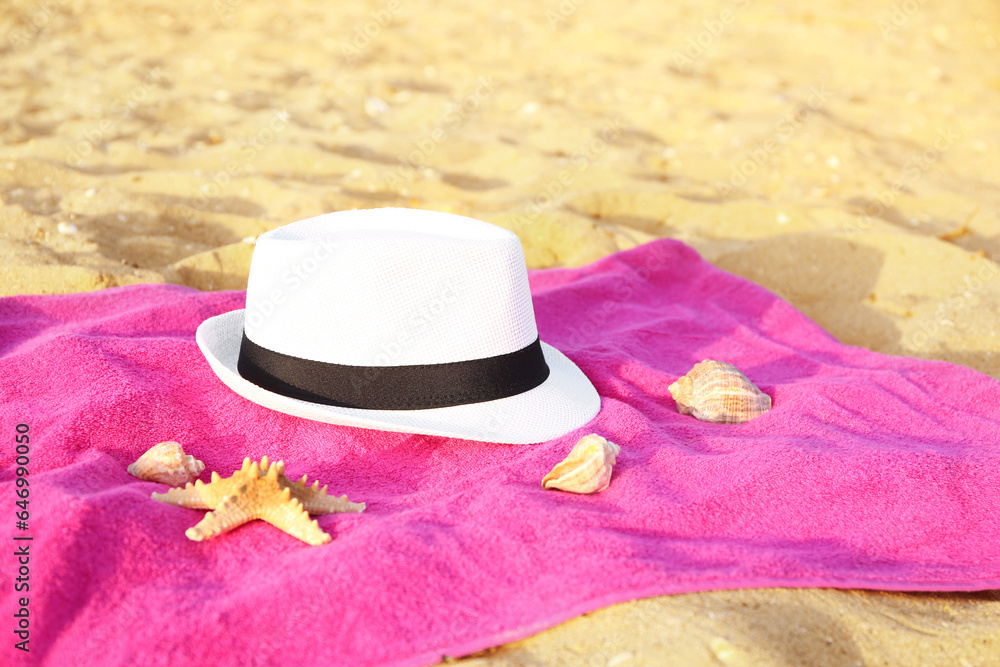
(870, 471)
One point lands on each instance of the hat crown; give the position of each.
(389, 287)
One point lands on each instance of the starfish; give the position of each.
(258, 491)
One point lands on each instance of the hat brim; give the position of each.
(565, 401)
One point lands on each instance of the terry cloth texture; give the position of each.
(870, 471)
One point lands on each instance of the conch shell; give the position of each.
(168, 464)
(714, 391)
(587, 469)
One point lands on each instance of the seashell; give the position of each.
(714, 391)
(258, 491)
(587, 469)
(168, 464)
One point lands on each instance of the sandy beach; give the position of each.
(843, 156)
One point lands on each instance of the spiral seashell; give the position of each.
(714, 391)
(587, 469)
(167, 463)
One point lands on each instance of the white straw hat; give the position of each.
(400, 320)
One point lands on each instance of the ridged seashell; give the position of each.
(587, 469)
(167, 463)
(714, 391)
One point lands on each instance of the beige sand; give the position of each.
(843, 155)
